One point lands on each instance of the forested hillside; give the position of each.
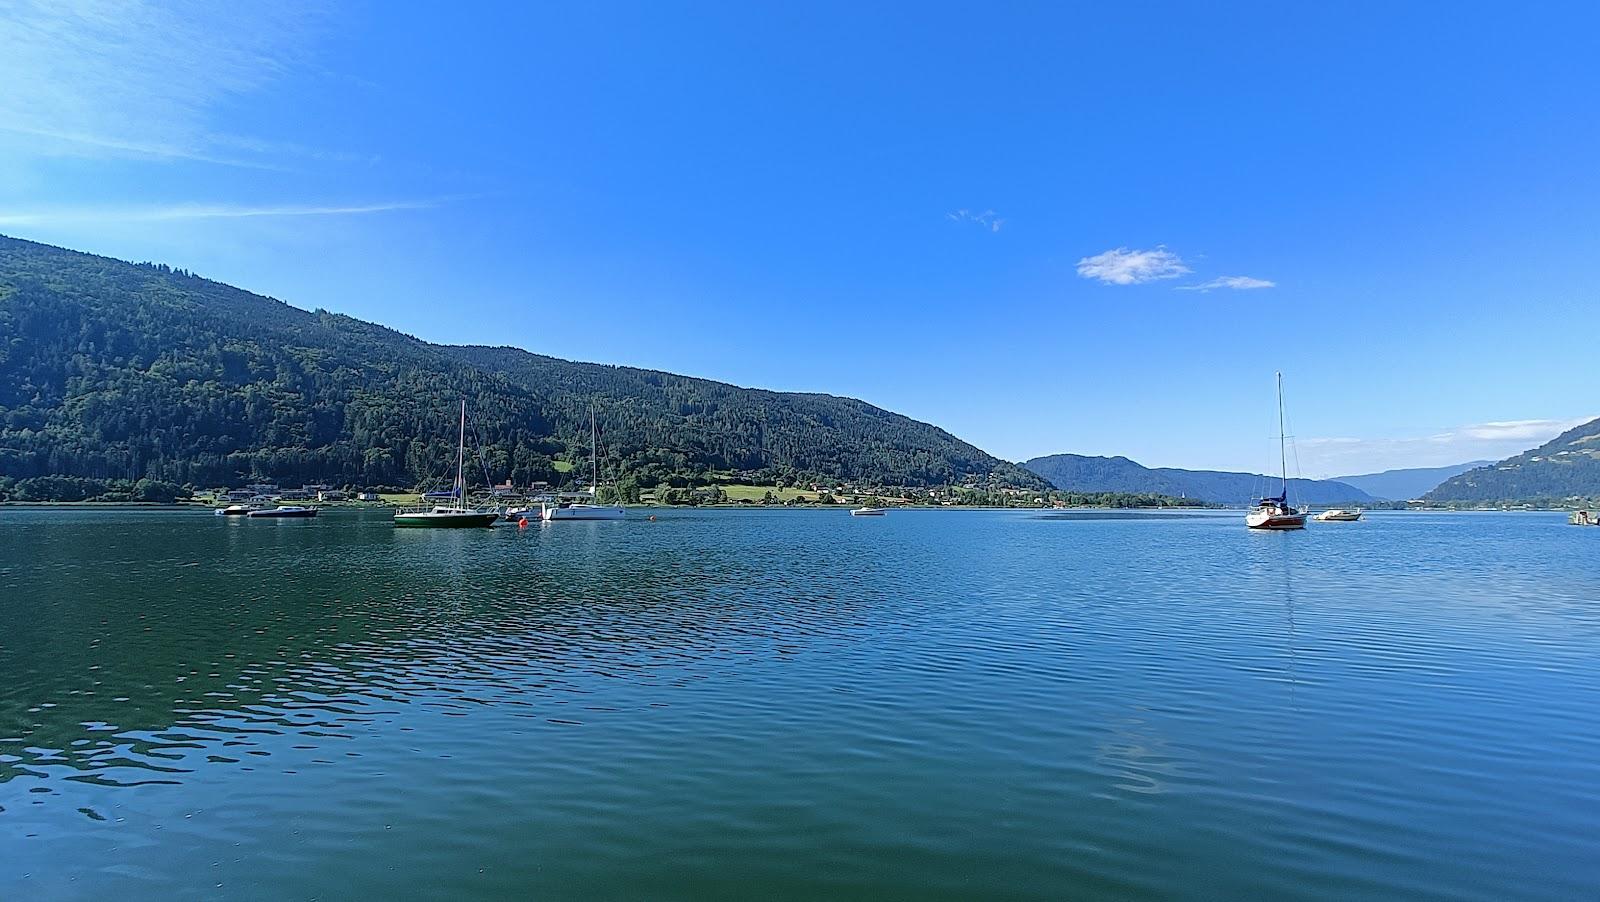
(1567, 466)
(112, 370)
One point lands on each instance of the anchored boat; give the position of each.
(1339, 515)
(578, 510)
(450, 516)
(278, 513)
(1277, 512)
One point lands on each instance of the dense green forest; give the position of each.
(1566, 467)
(124, 372)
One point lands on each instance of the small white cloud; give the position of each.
(1125, 267)
(1236, 282)
(987, 219)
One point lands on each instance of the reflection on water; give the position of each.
(797, 704)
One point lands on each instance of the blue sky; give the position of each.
(1044, 227)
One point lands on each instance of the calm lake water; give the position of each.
(793, 704)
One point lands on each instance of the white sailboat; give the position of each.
(1277, 512)
(456, 515)
(579, 510)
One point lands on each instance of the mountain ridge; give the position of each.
(1407, 483)
(1567, 466)
(111, 369)
(1079, 472)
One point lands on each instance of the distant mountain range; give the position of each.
(1081, 473)
(1404, 485)
(1567, 466)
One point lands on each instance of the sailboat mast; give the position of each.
(594, 456)
(1283, 457)
(461, 458)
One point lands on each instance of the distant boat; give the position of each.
(450, 516)
(869, 512)
(1339, 515)
(288, 512)
(1277, 512)
(234, 510)
(578, 510)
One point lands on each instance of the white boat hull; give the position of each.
(584, 512)
(868, 512)
(1338, 516)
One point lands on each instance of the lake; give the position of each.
(794, 704)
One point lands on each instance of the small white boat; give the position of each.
(1339, 515)
(868, 512)
(234, 510)
(290, 512)
(1277, 512)
(579, 510)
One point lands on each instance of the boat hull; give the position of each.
(1338, 516)
(454, 520)
(868, 512)
(584, 512)
(294, 513)
(1274, 520)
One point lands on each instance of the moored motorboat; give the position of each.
(868, 512)
(234, 510)
(1339, 515)
(290, 512)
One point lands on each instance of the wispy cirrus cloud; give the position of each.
(1495, 440)
(186, 211)
(1122, 266)
(1235, 282)
(137, 78)
(988, 219)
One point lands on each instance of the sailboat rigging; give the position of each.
(1276, 512)
(578, 510)
(456, 514)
